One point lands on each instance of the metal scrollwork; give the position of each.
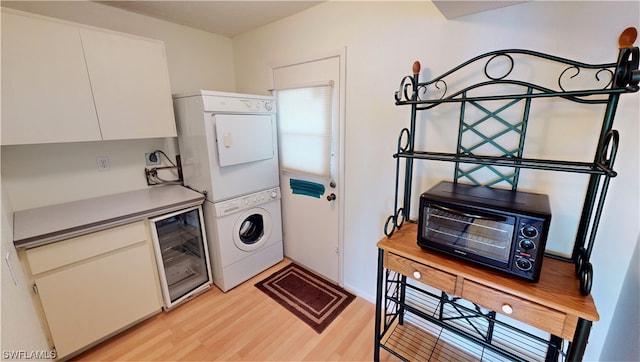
(392, 221)
(422, 89)
(608, 71)
(606, 157)
(406, 86)
(562, 74)
(497, 56)
(607, 154)
(577, 72)
(396, 220)
(627, 73)
(498, 67)
(444, 86)
(404, 132)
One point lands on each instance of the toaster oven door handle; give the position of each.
(468, 214)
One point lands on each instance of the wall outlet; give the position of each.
(151, 159)
(103, 163)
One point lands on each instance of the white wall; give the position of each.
(21, 328)
(382, 41)
(622, 341)
(42, 175)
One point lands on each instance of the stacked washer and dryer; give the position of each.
(229, 151)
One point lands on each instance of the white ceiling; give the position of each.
(228, 18)
(234, 17)
(223, 17)
(456, 8)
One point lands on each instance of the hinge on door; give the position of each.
(337, 251)
(35, 288)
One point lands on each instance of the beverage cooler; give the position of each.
(181, 253)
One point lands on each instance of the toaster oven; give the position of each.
(502, 229)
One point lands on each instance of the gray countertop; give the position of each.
(44, 225)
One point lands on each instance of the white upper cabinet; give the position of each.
(130, 85)
(46, 94)
(63, 82)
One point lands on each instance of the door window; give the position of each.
(306, 129)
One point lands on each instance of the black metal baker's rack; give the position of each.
(506, 161)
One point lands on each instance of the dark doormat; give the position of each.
(310, 297)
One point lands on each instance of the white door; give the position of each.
(310, 162)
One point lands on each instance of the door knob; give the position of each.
(331, 197)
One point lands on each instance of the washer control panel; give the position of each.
(246, 202)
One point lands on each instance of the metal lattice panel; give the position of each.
(485, 132)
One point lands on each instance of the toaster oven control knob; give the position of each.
(529, 231)
(523, 264)
(527, 244)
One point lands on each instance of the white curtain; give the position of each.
(306, 129)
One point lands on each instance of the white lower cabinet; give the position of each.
(94, 285)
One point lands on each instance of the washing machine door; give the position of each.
(252, 229)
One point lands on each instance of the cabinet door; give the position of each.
(130, 85)
(90, 300)
(46, 95)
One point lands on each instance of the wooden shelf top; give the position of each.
(558, 287)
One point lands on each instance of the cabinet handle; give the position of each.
(417, 275)
(507, 309)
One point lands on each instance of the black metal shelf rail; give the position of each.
(480, 151)
(421, 325)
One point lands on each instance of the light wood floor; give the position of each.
(242, 325)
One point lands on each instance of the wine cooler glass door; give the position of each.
(182, 255)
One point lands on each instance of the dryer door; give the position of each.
(252, 229)
(243, 138)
